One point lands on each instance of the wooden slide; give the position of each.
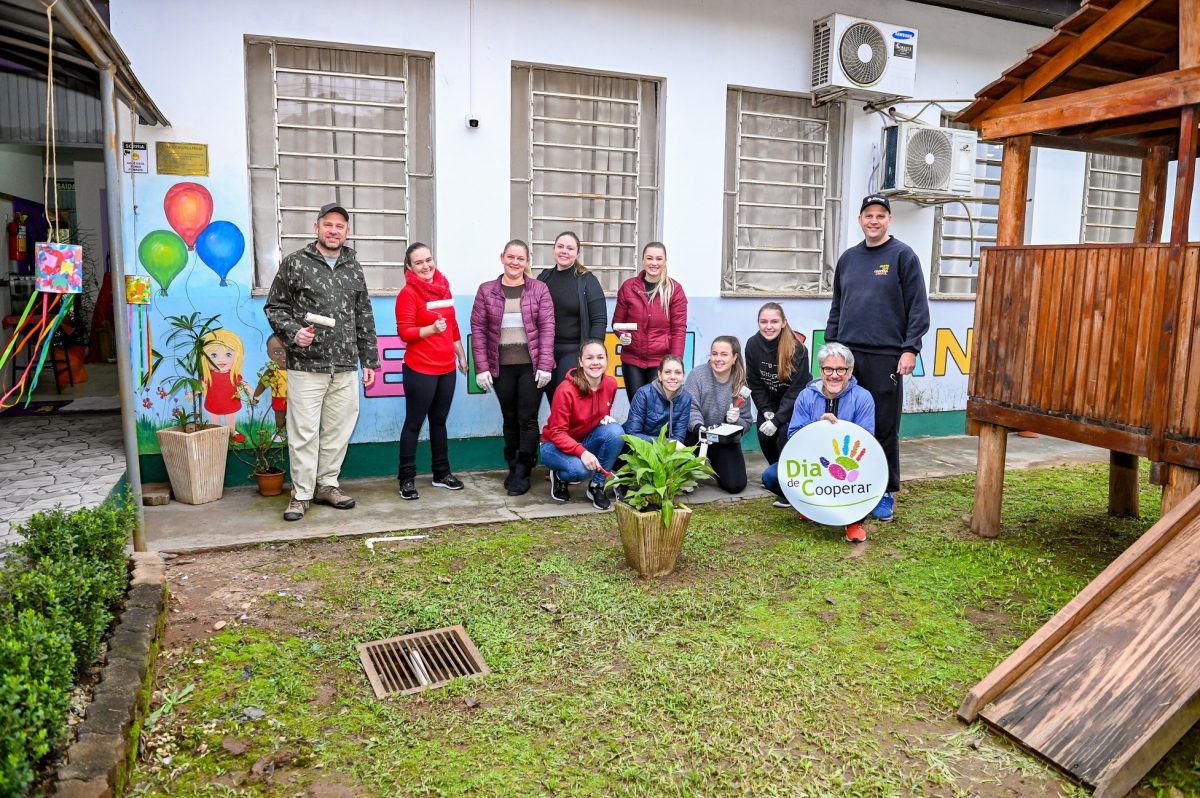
(1112, 681)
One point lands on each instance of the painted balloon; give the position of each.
(189, 208)
(220, 246)
(164, 255)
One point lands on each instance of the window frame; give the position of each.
(646, 223)
(939, 220)
(268, 242)
(1090, 166)
(832, 204)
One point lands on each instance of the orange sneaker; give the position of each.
(856, 533)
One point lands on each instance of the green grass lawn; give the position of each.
(777, 660)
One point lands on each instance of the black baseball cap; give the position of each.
(330, 208)
(873, 199)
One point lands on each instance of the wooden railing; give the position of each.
(1094, 343)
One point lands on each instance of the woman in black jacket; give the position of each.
(777, 369)
(580, 313)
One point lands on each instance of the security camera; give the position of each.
(472, 122)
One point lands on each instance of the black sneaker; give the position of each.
(449, 482)
(558, 489)
(408, 489)
(599, 498)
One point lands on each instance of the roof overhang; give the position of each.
(83, 45)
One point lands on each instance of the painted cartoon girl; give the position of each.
(222, 374)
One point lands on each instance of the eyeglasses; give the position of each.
(829, 371)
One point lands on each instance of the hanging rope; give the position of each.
(51, 136)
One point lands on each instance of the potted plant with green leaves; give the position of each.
(265, 443)
(652, 525)
(194, 452)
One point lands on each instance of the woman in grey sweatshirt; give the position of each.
(714, 388)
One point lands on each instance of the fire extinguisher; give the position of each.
(18, 238)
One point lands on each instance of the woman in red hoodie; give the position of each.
(581, 440)
(433, 344)
(658, 306)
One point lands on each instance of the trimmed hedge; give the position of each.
(57, 592)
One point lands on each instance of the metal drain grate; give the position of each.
(416, 662)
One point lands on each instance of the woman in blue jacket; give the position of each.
(662, 403)
(837, 396)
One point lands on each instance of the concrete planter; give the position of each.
(651, 548)
(195, 462)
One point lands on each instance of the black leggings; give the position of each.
(727, 460)
(636, 377)
(877, 373)
(519, 397)
(426, 396)
(772, 445)
(566, 357)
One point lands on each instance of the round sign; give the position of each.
(833, 473)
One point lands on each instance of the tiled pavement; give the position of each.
(72, 460)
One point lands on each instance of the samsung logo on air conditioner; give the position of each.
(903, 34)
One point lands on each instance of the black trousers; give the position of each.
(519, 397)
(636, 377)
(426, 396)
(727, 460)
(772, 445)
(877, 373)
(566, 356)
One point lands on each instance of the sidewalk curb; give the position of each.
(99, 761)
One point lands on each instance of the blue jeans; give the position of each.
(604, 442)
(770, 479)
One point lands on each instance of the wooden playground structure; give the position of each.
(1100, 344)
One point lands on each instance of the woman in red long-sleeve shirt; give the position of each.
(658, 306)
(433, 344)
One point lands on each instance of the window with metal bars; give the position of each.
(585, 158)
(782, 172)
(1112, 185)
(338, 124)
(961, 228)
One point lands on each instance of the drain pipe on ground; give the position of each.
(112, 189)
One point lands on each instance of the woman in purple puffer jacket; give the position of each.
(512, 339)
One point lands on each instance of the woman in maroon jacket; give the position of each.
(512, 339)
(658, 306)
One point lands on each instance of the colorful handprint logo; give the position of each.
(845, 461)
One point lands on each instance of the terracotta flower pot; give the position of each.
(270, 484)
(650, 548)
(195, 462)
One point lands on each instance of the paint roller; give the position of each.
(438, 304)
(625, 326)
(314, 318)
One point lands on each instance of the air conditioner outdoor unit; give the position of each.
(862, 59)
(925, 160)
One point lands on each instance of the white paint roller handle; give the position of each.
(324, 321)
(438, 304)
(625, 326)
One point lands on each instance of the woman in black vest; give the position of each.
(580, 313)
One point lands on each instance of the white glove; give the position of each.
(541, 378)
(608, 420)
(626, 339)
(732, 414)
(484, 380)
(768, 428)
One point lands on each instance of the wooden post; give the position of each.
(993, 439)
(1122, 467)
(1180, 482)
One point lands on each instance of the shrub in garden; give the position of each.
(57, 592)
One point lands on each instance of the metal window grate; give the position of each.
(961, 228)
(1112, 185)
(419, 661)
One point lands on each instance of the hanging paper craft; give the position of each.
(137, 296)
(189, 208)
(220, 246)
(59, 275)
(164, 255)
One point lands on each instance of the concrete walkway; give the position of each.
(59, 459)
(243, 517)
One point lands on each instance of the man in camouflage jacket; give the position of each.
(323, 279)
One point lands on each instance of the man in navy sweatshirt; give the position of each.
(880, 311)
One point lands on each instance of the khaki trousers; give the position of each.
(322, 411)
